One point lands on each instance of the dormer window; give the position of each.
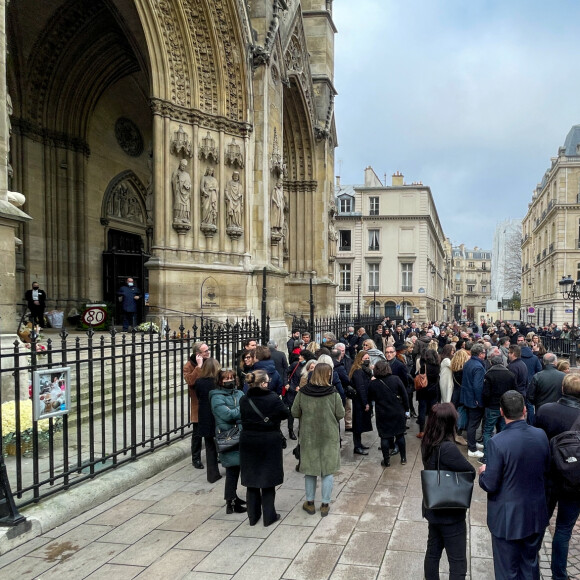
(346, 205)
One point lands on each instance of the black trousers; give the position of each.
(389, 443)
(474, 417)
(232, 477)
(211, 460)
(517, 559)
(37, 315)
(261, 500)
(452, 537)
(195, 443)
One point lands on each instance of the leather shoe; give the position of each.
(359, 451)
(394, 451)
(278, 516)
(197, 464)
(364, 447)
(403, 461)
(385, 463)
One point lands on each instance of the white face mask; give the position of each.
(129, 283)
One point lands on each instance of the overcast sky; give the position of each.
(471, 97)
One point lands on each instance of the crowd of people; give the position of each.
(483, 386)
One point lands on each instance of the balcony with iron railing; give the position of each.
(406, 288)
(345, 248)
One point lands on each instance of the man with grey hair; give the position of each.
(497, 381)
(471, 396)
(546, 386)
(279, 360)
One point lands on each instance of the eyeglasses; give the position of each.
(247, 357)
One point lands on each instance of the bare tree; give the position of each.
(512, 267)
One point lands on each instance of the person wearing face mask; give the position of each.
(129, 296)
(36, 299)
(360, 378)
(261, 459)
(295, 372)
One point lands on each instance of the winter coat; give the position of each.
(319, 432)
(432, 389)
(261, 459)
(532, 362)
(206, 421)
(391, 404)
(361, 419)
(546, 386)
(225, 405)
(472, 383)
(280, 363)
(520, 370)
(294, 374)
(375, 355)
(446, 381)
(190, 374)
(275, 380)
(497, 381)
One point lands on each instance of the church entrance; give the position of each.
(124, 258)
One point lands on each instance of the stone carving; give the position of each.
(128, 137)
(332, 241)
(181, 184)
(180, 144)
(208, 149)
(235, 206)
(277, 165)
(234, 155)
(9, 111)
(277, 212)
(209, 203)
(124, 204)
(149, 188)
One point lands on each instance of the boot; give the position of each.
(240, 500)
(238, 507)
(291, 434)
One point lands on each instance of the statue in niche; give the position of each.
(124, 204)
(9, 112)
(235, 205)
(181, 183)
(332, 240)
(209, 198)
(277, 207)
(149, 189)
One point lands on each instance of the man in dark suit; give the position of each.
(518, 460)
(36, 299)
(555, 418)
(279, 359)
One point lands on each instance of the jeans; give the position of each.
(493, 420)
(452, 537)
(474, 417)
(531, 413)
(327, 483)
(425, 405)
(568, 512)
(388, 443)
(232, 477)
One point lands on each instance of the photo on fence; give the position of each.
(51, 393)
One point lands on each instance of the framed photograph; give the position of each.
(51, 393)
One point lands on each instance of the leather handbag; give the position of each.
(446, 489)
(228, 440)
(420, 381)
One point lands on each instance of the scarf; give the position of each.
(317, 391)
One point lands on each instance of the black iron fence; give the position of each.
(335, 324)
(127, 398)
(559, 346)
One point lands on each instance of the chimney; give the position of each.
(397, 179)
(338, 181)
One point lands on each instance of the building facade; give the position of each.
(506, 260)
(471, 285)
(391, 258)
(550, 237)
(186, 143)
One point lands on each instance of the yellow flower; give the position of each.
(9, 418)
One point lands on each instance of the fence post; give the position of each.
(9, 514)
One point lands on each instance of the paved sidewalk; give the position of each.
(174, 525)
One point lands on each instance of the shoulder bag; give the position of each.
(229, 439)
(421, 380)
(267, 420)
(446, 489)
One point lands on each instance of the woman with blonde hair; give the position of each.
(374, 353)
(458, 361)
(319, 408)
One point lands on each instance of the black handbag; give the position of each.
(228, 440)
(446, 489)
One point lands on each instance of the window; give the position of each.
(373, 277)
(458, 300)
(346, 205)
(406, 277)
(470, 287)
(471, 265)
(374, 240)
(344, 310)
(345, 240)
(457, 287)
(345, 277)
(484, 290)
(373, 206)
(484, 265)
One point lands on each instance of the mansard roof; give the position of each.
(572, 142)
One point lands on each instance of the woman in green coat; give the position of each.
(225, 405)
(319, 408)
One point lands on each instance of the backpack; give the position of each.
(565, 450)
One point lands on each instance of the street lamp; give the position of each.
(571, 290)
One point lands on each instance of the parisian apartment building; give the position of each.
(551, 238)
(391, 258)
(471, 285)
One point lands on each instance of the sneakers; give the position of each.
(477, 453)
(479, 446)
(308, 507)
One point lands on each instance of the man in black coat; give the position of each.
(518, 367)
(290, 344)
(279, 359)
(546, 386)
(497, 381)
(36, 300)
(553, 419)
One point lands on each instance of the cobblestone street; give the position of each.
(174, 525)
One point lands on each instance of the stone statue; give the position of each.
(149, 190)
(181, 182)
(209, 198)
(277, 207)
(332, 240)
(234, 202)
